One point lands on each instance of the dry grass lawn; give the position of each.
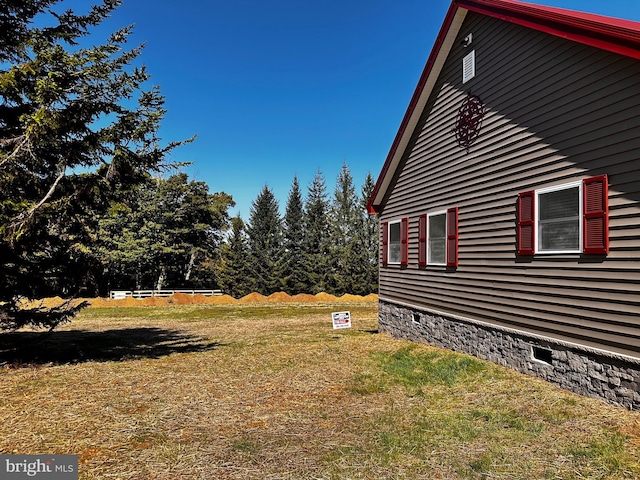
(270, 391)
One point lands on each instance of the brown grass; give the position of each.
(269, 391)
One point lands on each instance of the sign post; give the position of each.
(341, 320)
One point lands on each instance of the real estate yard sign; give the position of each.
(341, 320)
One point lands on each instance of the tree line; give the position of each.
(88, 202)
(321, 243)
(172, 233)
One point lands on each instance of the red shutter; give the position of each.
(595, 212)
(452, 237)
(404, 241)
(526, 222)
(422, 240)
(385, 243)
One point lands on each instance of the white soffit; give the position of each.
(443, 53)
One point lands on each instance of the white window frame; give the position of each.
(391, 224)
(556, 188)
(429, 249)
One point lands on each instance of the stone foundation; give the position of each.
(615, 379)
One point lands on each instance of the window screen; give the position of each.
(437, 233)
(394, 242)
(559, 220)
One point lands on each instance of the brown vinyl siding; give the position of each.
(556, 112)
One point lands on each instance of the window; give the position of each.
(437, 238)
(395, 240)
(558, 216)
(439, 244)
(570, 218)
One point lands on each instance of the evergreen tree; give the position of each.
(235, 276)
(265, 242)
(345, 222)
(15, 18)
(120, 249)
(293, 268)
(166, 236)
(186, 224)
(317, 236)
(75, 124)
(368, 241)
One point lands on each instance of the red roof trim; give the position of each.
(414, 100)
(611, 34)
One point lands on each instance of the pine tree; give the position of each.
(15, 17)
(120, 248)
(317, 236)
(368, 241)
(76, 124)
(265, 242)
(235, 273)
(293, 269)
(345, 222)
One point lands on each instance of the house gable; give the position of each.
(557, 112)
(609, 34)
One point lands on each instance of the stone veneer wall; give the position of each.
(588, 372)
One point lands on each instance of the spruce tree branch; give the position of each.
(26, 216)
(16, 150)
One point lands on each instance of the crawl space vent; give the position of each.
(543, 355)
(469, 66)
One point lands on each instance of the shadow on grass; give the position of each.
(22, 349)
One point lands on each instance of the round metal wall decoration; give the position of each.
(469, 121)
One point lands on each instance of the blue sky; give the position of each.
(280, 88)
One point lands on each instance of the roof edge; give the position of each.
(426, 72)
(607, 33)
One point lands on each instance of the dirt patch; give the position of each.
(253, 298)
(279, 297)
(199, 299)
(347, 297)
(325, 297)
(304, 298)
(181, 298)
(100, 302)
(220, 300)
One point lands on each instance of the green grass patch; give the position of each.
(416, 368)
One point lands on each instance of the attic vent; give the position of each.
(469, 66)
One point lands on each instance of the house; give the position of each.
(509, 202)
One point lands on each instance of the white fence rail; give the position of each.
(121, 294)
